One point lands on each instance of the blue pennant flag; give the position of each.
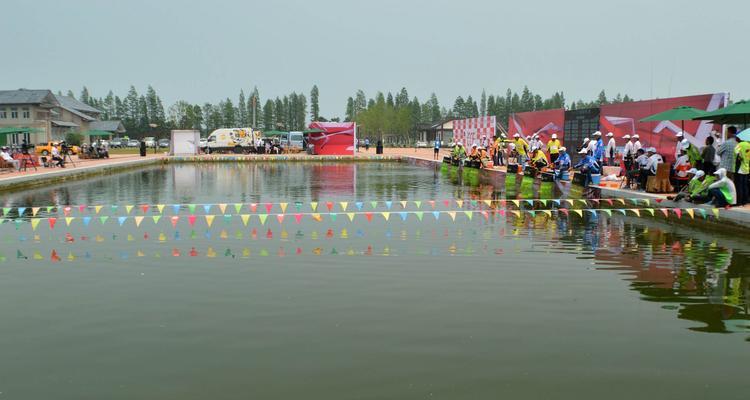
(359, 205)
(388, 204)
(21, 210)
(86, 221)
(176, 208)
(121, 220)
(403, 215)
(436, 214)
(207, 208)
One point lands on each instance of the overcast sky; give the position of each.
(207, 50)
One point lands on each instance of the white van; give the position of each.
(236, 140)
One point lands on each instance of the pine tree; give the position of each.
(527, 100)
(490, 108)
(85, 97)
(483, 104)
(268, 115)
(360, 103)
(70, 94)
(435, 112)
(228, 114)
(402, 98)
(459, 107)
(242, 110)
(109, 106)
(389, 100)
(602, 98)
(279, 114)
(349, 114)
(314, 106)
(253, 106)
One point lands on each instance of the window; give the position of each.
(3, 113)
(25, 113)
(13, 113)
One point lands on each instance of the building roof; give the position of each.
(27, 96)
(109, 126)
(65, 124)
(71, 103)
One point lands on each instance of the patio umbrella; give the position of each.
(737, 113)
(682, 114)
(744, 135)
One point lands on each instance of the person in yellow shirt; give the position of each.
(522, 147)
(538, 160)
(553, 146)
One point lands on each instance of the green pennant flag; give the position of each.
(49, 209)
(418, 203)
(608, 212)
(262, 218)
(103, 219)
(469, 214)
(374, 204)
(227, 218)
(237, 207)
(544, 202)
(156, 218)
(419, 215)
(650, 211)
(191, 207)
(6, 210)
(333, 217)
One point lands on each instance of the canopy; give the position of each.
(737, 113)
(97, 133)
(313, 131)
(744, 135)
(274, 133)
(10, 130)
(334, 138)
(682, 113)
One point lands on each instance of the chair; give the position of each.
(659, 183)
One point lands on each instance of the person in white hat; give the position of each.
(562, 163)
(722, 193)
(637, 144)
(522, 149)
(5, 156)
(678, 147)
(611, 148)
(628, 154)
(588, 166)
(553, 145)
(684, 193)
(585, 144)
(594, 143)
(653, 162)
(681, 167)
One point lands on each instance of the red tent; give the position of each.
(335, 138)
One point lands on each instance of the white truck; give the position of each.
(236, 140)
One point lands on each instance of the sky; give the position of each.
(202, 51)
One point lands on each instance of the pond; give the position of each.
(379, 280)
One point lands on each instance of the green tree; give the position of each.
(85, 97)
(349, 114)
(268, 115)
(483, 104)
(242, 110)
(314, 106)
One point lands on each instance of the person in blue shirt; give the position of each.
(367, 144)
(562, 163)
(588, 166)
(436, 148)
(599, 148)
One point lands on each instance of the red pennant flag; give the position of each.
(564, 211)
(447, 203)
(193, 252)
(54, 257)
(432, 204)
(191, 220)
(609, 201)
(269, 234)
(659, 200)
(269, 206)
(368, 215)
(144, 208)
(502, 212)
(486, 215)
(174, 219)
(253, 207)
(297, 218)
(52, 221)
(175, 252)
(81, 208)
(299, 250)
(329, 205)
(678, 212)
(254, 234)
(665, 211)
(280, 218)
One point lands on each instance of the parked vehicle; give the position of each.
(421, 143)
(133, 143)
(290, 141)
(115, 143)
(163, 143)
(203, 143)
(46, 148)
(237, 140)
(150, 141)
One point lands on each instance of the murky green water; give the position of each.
(498, 307)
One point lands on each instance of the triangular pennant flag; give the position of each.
(403, 215)
(35, 210)
(128, 209)
(280, 218)
(103, 219)
(622, 201)
(460, 203)
(665, 211)
(121, 220)
(564, 211)
(388, 204)
(176, 208)
(34, 223)
(678, 212)
(316, 217)
(419, 215)
(174, 219)
(544, 202)
(650, 211)
(403, 203)
(636, 211)
(343, 205)
(447, 203)
(634, 201)
(155, 218)
(66, 211)
(222, 208)
(368, 215)
(138, 220)
(21, 211)
(160, 208)
(329, 205)
(532, 213)
(488, 203)
(374, 204)
(703, 212)
(191, 208)
(351, 216)
(556, 201)
(253, 207)
(50, 208)
(283, 207)
(268, 206)
(647, 202)
(418, 203)
(262, 218)
(502, 212)
(608, 212)
(547, 212)
(621, 211)
(209, 220)
(716, 212)
(592, 211)
(333, 217)
(237, 207)
(452, 214)
(530, 202)
(609, 201)
(569, 201)
(359, 205)
(314, 205)
(68, 220)
(191, 219)
(245, 218)
(86, 221)
(207, 208)
(516, 202)
(579, 212)
(432, 203)
(690, 212)
(297, 218)
(144, 208)
(385, 214)
(298, 205)
(517, 213)
(469, 214)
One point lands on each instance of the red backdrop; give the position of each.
(545, 123)
(622, 119)
(337, 138)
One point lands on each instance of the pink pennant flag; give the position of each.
(609, 201)
(665, 211)
(280, 218)
(502, 212)
(253, 207)
(66, 211)
(81, 208)
(447, 203)
(174, 220)
(191, 220)
(432, 204)
(486, 215)
(564, 211)
(678, 212)
(297, 218)
(269, 206)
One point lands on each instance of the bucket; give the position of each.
(565, 176)
(596, 178)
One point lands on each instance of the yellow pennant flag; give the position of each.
(569, 201)
(130, 237)
(517, 213)
(403, 203)
(452, 214)
(579, 212)
(160, 207)
(38, 255)
(262, 218)
(283, 207)
(636, 211)
(460, 203)
(385, 215)
(343, 205)
(34, 223)
(245, 218)
(548, 212)
(68, 220)
(469, 214)
(488, 203)
(140, 254)
(210, 252)
(97, 209)
(621, 201)
(223, 208)
(650, 211)
(351, 216)
(316, 217)
(223, 234)
(138, 220)
(128, 209)
(690, 212)
(209, 220)
(71, 256)
(35, 210)
(314, 205)
(516, 202)
(647, 202)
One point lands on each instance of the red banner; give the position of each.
(473, 130)
(622, 119)
(544, 123)
(336, 138)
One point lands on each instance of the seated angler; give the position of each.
(538, 160)
(722, 193)
(681, 168)
(562, 163)
(652, 163)
(639, 167)
(587, 166)
(698, 187)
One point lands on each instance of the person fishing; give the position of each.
(562, 163)
(588, 166)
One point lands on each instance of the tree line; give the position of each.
(385, 113)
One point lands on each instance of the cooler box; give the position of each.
(596, 179)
